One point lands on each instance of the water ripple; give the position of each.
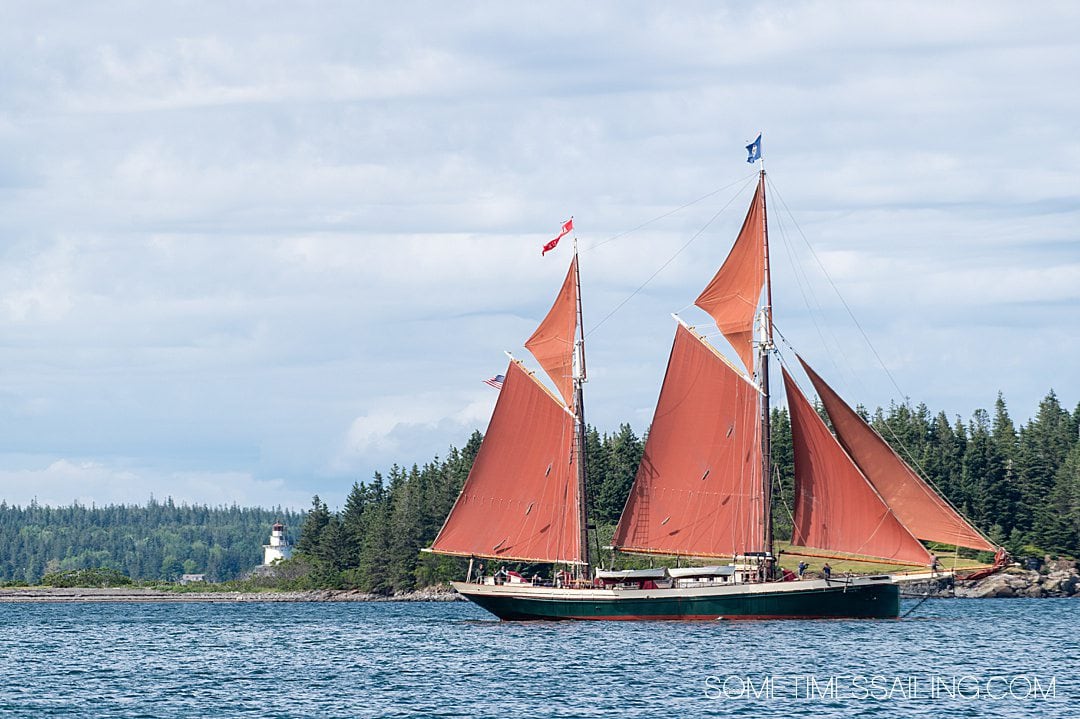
(452, 660)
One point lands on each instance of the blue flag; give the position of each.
(754, 148)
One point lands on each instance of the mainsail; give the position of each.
(552, 344)
(732, 295)
(520, 500)
(836, 507)
(698, 490)
(913, 501)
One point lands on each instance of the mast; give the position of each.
(579, 419)
(764, 349)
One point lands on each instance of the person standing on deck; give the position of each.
(827, 571)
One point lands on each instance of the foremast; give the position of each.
(580, 377)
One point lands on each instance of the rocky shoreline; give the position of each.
(127, 594)
(1056, 578)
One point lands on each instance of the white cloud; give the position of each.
(280, 244)
(381, 434)
(63, 481)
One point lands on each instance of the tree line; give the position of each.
(1020, 485)
(158, 541)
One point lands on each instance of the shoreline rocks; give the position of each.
(129, 594)
(1058, 578)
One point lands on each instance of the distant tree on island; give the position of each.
(158, 541)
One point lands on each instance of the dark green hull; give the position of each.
(865, 601)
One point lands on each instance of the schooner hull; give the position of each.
(813, 599)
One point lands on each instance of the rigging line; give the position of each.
(670, 260)
(908, 613)
(669, 213)
(906, 400)
(813, 304)
(832, 284)
(783, 499)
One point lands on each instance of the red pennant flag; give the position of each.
(566, 228)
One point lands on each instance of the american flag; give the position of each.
(496, 381)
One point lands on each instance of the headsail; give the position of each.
(915, 503)
(552, 344)
(698, 490)
(520, 500)
(732, 295)
(836, 507)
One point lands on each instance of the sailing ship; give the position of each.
(704, 488)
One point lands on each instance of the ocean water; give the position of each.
(972, 658)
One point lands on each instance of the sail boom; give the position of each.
(669, 553)
(827, 554)
(503, 557)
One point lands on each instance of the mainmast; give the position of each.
(579, 419)
(764, 349)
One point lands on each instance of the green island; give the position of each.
(1019, 484)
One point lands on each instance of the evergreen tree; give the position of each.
(1058, 528)
(352, 523)
(1041, 449)
(783, 462)
(942, 460)
(406, 537)
(373, 570)
(315, 524)
(988, 495)
(623, 453)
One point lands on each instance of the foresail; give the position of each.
(913, 501)
(836, 508)
(698, 490)
(552, 344)
(732, 295)
(519, 501)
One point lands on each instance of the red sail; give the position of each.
(912, 500)
(698, 490)
(520, 499)
(732, 296)
(836, 508)
(552, 344)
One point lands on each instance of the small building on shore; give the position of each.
(279, 547)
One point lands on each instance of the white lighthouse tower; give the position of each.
(279, 547)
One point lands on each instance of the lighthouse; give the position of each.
(279, 547)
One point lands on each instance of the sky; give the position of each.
(251, 252)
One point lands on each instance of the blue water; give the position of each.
(452, 659)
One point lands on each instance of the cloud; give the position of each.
(283, 246)
(384, 432)
(63, 481)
